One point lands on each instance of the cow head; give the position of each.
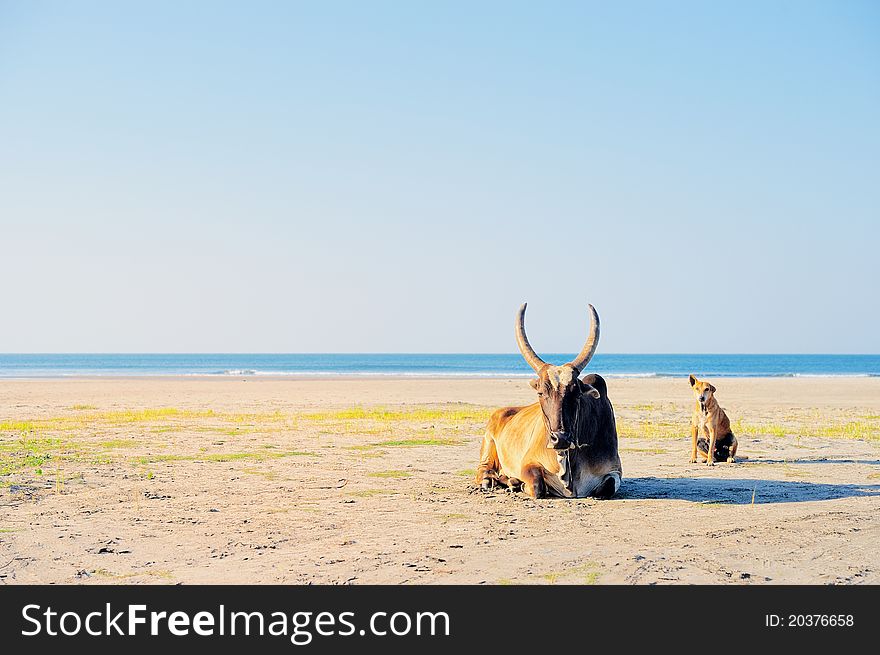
(558, 387)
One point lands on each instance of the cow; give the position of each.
(563, 445)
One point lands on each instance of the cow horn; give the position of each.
(522, 341)
(586, 354)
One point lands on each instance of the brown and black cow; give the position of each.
(565, 444)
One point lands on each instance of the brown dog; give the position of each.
(710, 427)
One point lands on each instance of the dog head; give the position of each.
(702, 390)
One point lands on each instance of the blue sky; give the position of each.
(399, 177)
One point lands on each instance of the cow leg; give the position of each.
(487, 472)
(607, 487)
(489, 480)
(533, 481)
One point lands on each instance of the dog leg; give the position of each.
(731, 458)
(694, 430)
(710, 460)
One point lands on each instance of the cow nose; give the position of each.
(559, 440)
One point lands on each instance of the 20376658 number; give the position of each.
(809, 621)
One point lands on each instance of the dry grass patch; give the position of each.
(221, 457)
(390, 474)
(409, 443)
(369, 493)
(104, 573)
(582, 574)
(652, 451)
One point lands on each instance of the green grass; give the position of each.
(252, 418)
(221, 457)
(410, 443)
(455, 517)
(268, 475)
(17, 426)
(652, 429)
(117, 418)
(385, 415)
(25, 461)
(30, 441)
(763, 429)
(863, 429)
(229, 432)
(146, 415)
(104, 573)
(27, 452)
(87, 435)
(583, 574)
(353, 420)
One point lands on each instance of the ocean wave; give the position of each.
(418, 374)
(635, 375)
(356, 373)
(834, 375)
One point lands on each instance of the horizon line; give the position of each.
(411, 353)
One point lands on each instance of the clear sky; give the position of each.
(400, 176)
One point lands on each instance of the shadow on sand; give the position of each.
(759, 460)
(739, 491)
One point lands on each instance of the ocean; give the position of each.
(427, 365)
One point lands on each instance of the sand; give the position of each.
(269, 480)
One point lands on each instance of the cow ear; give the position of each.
(692, 379)
(533, 383)
(590, 390)
(712, 388)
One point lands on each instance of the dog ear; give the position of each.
(712, 388)
(692, 379)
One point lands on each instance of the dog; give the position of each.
(710, 427)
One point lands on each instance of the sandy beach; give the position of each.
(367, 480)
